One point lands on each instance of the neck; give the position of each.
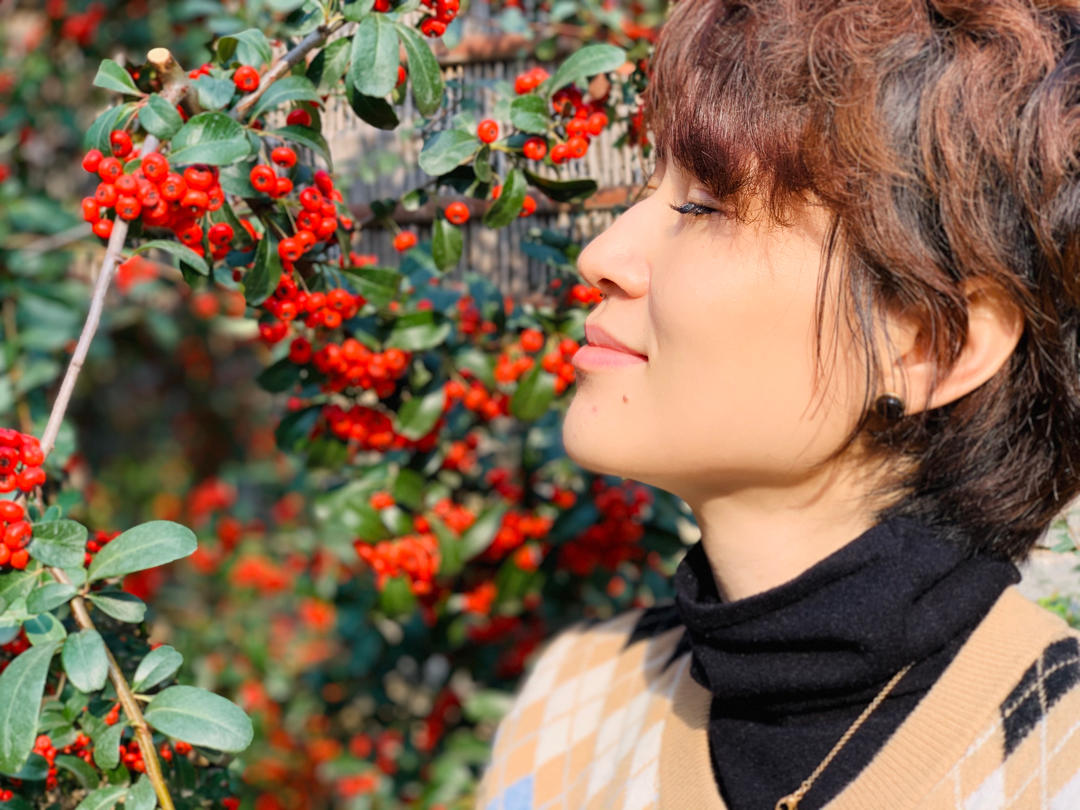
(757, 539)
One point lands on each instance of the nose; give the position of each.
(618, 261)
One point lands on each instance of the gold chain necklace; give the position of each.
(791, 801)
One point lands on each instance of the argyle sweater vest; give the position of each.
(603, 724)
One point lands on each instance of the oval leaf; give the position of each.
(418, 331)
(265, 273)
(534, 395)
(425, 75)
(103, 798)
(200, 717)
(480, 535)
(22, 684)
(60, 543)
(376, 111)
(576, 189)
(121, 605)
(418, 416)
(250, 47)
(141, 796)
(374, 60)
(181, 252)
(588, 61)
(49, 596)
(290, 88)
(529, 113)
(113, 77)
(159, 665)
(213, 93)
(85, 661)
(210, 137)
(81, 770)
(160, 118)
(446, 244)
(506, 209)
(107, 745)
(44, 629)
(447, 150)
(307, 137)
(147, 545)
(329, 65)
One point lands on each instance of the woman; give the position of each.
(850, 310)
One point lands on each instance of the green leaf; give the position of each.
(425, 75)
(296, 427)
(209, 137)
(44, 629)
(308, 137)
(87, 776)
(279, 377)
(97, 136)
(396, 598)
(447, 150)
(506, 209)
(160, 118)
(487, 705)
(418, 415)
(446, 244)
(141, 796)
(481, 364)
(200, 717)
(534, 395)
(107, 745)
(85, 661)
(16, 585)
(357, 10)
(103, 798)
(378, 285)
(418, 331)
(59, 543)
(159, 665)
(289, 88)
(113, 77)
(373, 64)
(250, 47)
(213, 94)
(529, 113)
(408, 489)
(22, 685)
(577, 189)
(329, 64)
(49, 596)
(588, 61)
(181, 252)
(147, 545)
(482, 165)
(376, 111)
(263, 277)
(121, 605)
(480, 535)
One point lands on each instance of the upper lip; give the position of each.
(598, 336)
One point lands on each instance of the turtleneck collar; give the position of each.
(831, 636)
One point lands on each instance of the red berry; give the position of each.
(282, 186)
(109, 169)
(401, 76)
(560, 153)
(311, 199)
(91, 160)
(155, 167)
(532, 340)
(10, 511)
(289, 249)
(324, 182)
(90, 210)
(221, 234)
(120, 142)
(298, 117)
(528, 206)
(106, 194)
(487, 131)
(126, 184)
(535, 148)
(578, 146)
(198, 177)
(195, 201)
(431, 27)
(173, 187)
(404, 240)
(20, 558)
(246, 78)
(103, 228)
(284, 156)
(263, 178)
(596, 123)
(128, 207)
(457, 213)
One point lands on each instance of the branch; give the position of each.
(285, 64)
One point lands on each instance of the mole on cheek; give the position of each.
(624, 399)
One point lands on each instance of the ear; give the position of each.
(995, 323)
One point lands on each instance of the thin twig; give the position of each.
(59, 240)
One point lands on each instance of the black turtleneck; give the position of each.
(791, 668)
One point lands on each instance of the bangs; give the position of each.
(714, 108)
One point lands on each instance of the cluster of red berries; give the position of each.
(318, 218)
(17, 532)
(369, 429)
(529, 80)
(515, 529)
(44, 747)
(445, 12)
(158, 196)
(288, 303)
(113, 715)
(353, 365)
(415, 556)
(488, 404)
(20, 461)
(615, 537)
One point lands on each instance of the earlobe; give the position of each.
(995, 324)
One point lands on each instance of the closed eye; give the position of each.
(693, 209)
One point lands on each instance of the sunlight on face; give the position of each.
(730, 397)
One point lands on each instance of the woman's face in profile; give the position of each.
(727, 400)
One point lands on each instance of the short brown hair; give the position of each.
(944, 138)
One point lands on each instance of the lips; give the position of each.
(597, 336)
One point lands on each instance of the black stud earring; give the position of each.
(889, 407)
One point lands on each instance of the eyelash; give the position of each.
(693, 209)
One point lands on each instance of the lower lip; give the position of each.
(591, 357)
